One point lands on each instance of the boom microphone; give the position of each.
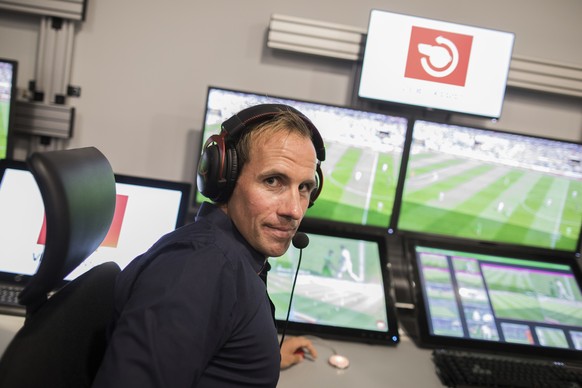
(300, 240)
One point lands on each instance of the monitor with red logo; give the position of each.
(435, 64)
(145, 210)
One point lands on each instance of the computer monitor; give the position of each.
(145, 210)
(343, 289)
(479, 297)
(8, 78)
(363, 154)
(433, 64)
(493, 186)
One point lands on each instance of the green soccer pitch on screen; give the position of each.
(472, 296)
(493, 186)
(8, 69)
(363, 155)
(342, 288)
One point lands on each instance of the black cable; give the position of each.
(291, 298)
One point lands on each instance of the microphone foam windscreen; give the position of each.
(300, 240)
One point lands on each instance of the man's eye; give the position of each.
(271, 181)
(306, 187)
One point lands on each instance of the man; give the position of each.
(346, 264)
(193, 311)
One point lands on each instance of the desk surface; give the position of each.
(9, 325)
(400, 366)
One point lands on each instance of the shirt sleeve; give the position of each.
(176, 317)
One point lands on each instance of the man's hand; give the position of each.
(295, 349)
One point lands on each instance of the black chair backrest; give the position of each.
(63, 339)
(78, 191)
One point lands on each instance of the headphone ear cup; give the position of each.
(209, 166)
(317, 191)
(217, 169)
(230, 175)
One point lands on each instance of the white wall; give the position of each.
(144, 66)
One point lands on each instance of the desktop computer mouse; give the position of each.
(338, 361)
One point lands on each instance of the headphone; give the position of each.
(218, 167)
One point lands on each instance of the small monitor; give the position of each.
(342, 291)
(483, 298)
(8, 78)
(363, 155)
(145, 210)
(493, 186)
(435, 64)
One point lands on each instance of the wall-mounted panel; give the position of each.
(67, 9)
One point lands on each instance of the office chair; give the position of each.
(64, 334)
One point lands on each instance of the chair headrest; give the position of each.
(78, 191)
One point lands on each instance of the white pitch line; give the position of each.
(369, 193)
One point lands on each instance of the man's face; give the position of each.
(272, 192)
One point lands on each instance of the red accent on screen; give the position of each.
(112, 237)
(437, 68)
(42, 235)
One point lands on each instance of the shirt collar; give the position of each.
(214, 215)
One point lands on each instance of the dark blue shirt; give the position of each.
(193, 312)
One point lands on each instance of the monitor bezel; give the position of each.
(391, 226)
(12, 108)
(389, 338)
(424, 339)
(577, 251)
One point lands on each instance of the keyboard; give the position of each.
(9, 300)
(456, 368)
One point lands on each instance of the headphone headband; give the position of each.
(237, 124)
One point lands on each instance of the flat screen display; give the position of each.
(473, 297)
(342, 289)
(493, 186)
(145, 210)
(8, 73)
(363, 154)
(435, 64)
